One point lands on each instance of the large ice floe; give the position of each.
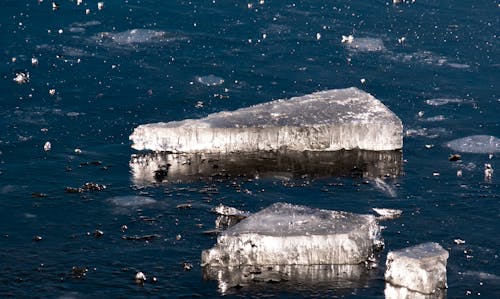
(285, 234)
(421, 268)
(323, 121)
(152, 168)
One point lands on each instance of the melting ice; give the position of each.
(323, 121)
(285, 234)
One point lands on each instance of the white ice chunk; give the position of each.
(323, 121)
(386, 214)
(421, 268)
(285, 234)
(477, 144)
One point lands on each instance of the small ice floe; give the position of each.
(347, 39)
(459, 241)
(228, 216)
(131, 201)
(47, 146)
(476, 144)
(488, 171)
(140, 277)
(386, 214)
(229, 211)
(445, 101)
(52, 91)
(100, 5)
(285, 234)
(134, 36)
(363, 44)
(34, 61)
(22, 78)
(209, 80)
(421, 268)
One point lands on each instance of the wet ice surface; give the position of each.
(323, 121)
(421, 268)
(102, 91)
(477, 144)
(284, 234)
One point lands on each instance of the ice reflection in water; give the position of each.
(343, 278)
(155, 168)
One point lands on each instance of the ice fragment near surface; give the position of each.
(323, 121)
(477, 144)
(421, 268)
(285, 234)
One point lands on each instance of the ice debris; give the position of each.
(209, 80)
(386, 214)
(323, 121)
(285, 234)
(477, 144)
(421, 268)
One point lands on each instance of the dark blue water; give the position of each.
(106, 80)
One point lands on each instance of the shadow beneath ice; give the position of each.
(161, 167)
(289, 278)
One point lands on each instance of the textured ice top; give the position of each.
(421, 251)
(285, 234)
(283, 219)
(327, 120)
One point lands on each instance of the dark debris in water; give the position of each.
(141, 238)
(86, 187)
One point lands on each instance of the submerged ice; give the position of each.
(285, 234)
(323, 121)
(477, 144)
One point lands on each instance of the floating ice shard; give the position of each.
(421, 268)
(152, 168)
(323, 121)
(285, 234)
(289, 277)
(477, 144)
